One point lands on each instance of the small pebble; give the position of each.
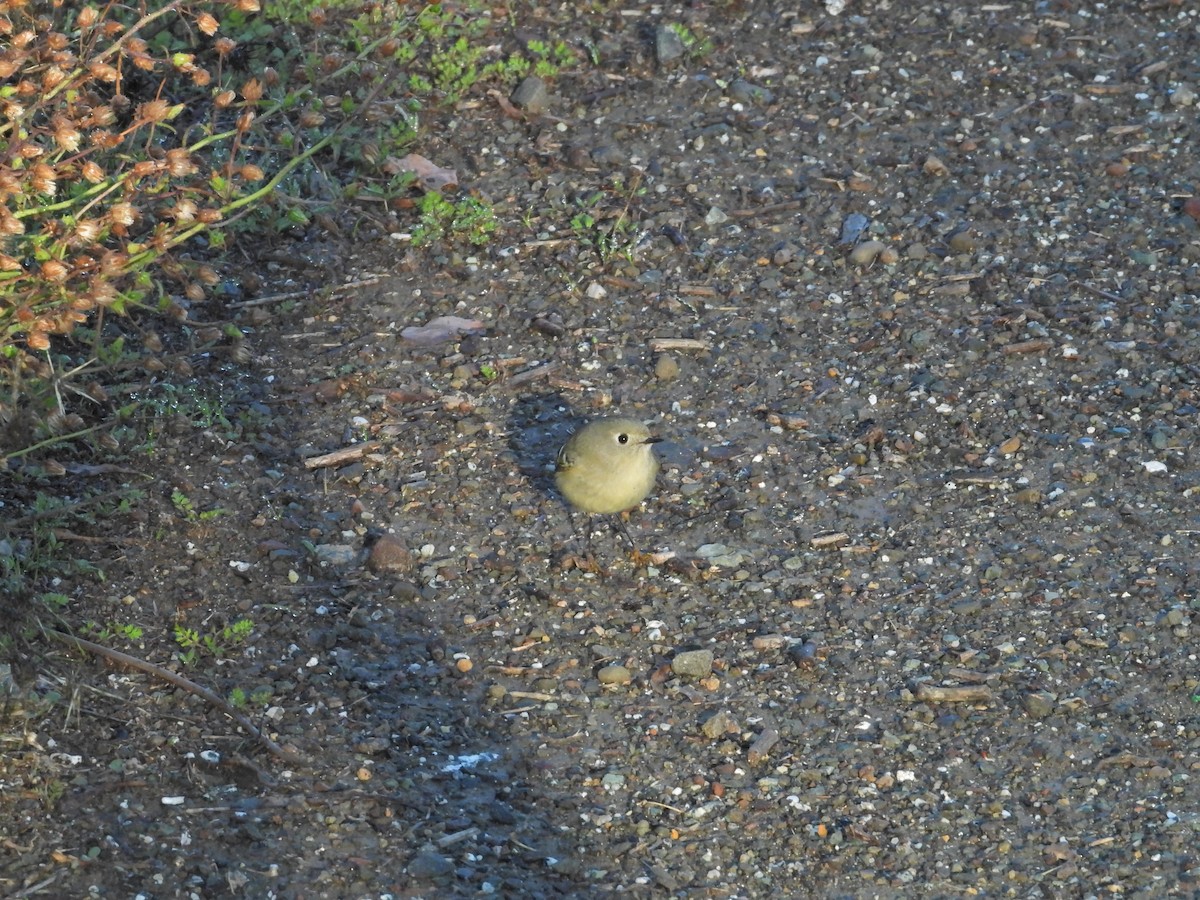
(668, 46)
(531, 95)
(962, 241)
(390, 555)
(718, 724)
(934, 166)
(614, 675)
(427, 864)
(693, 663)
(745, 92)
(666, 368)
(1183, 96)
(1039, 704)
(865, 253)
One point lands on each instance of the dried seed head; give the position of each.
(96, 391)
(53, 270)
(154, 364)
(207, 24)
(105, 140)
(88, 230)
(201, 77)
(207, 275)
(194, 292)
(92, 172)
(37, 340)
(66, 135)
(53, 468)
(9, 264)
(311, 119)
(245, 120)
(251, 172)
(248, 6)
(103, 72)
(252, 90)
(56, 422)
(108, 442)
(52, 78)
(145, 167)
(224, 98)
(102, 293)
(183, 211)
(122, 213)
(113, 263)
(224, 46)
(74, 421)
(270, 76)
(209, 216)
(101, 116)
(10, 224)
(87, 17)
(154, 111)
(179, 163)
(181, 367)
(44, 179)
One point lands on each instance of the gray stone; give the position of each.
(693, 663)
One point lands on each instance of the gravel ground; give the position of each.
(910, 612)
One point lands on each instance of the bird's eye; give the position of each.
(622, 439)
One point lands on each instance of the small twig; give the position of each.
(179, 681)
(659, 345)
(296, 295)
(1107, 295)
(1036, 345)
(337, 457)
(967, 694)
(36, 888)
(785, 206)
(664, 806)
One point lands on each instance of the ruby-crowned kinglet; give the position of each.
(608, 466)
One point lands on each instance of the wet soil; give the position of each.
(909, 612)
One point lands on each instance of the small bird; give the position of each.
(608, 466)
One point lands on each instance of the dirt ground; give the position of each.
(909, 612)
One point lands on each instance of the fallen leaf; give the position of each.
(431, 176)
(443, 328)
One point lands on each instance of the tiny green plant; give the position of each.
(194, 643)
(114, 631)
(469, 219)
(696, 47)
(184, 506)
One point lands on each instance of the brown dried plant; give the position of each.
(96, 185)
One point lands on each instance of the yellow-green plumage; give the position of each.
(608, 466)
